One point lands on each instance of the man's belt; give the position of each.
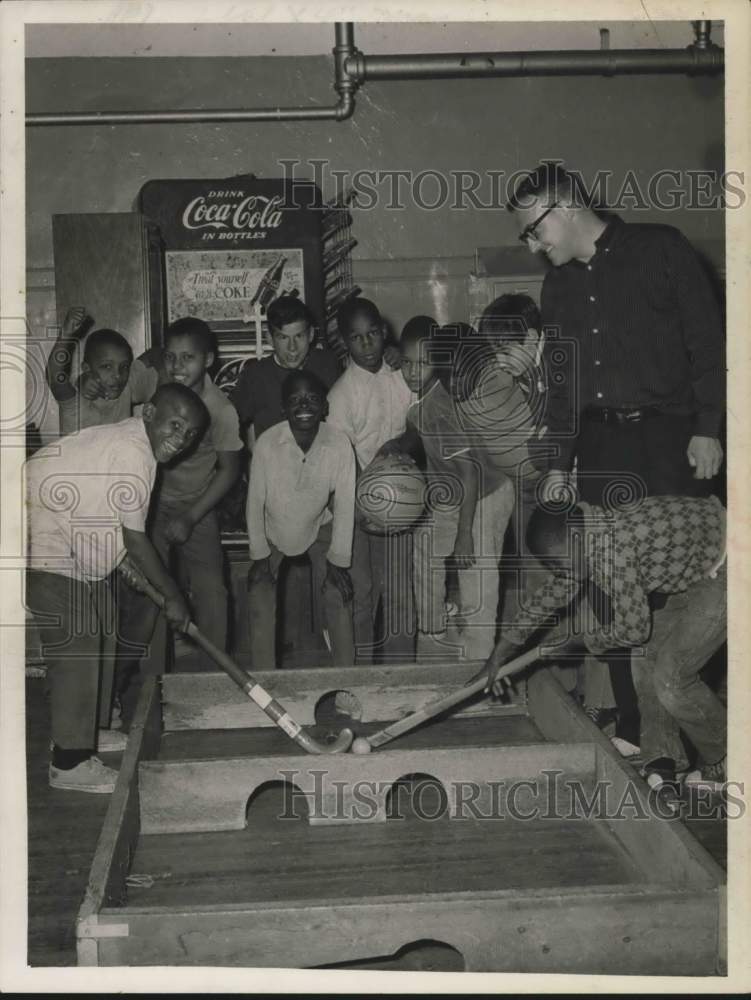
(613, 415)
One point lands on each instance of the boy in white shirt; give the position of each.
(301, 467)
(87, 500)
(369, 402)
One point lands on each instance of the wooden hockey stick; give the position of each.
(257, 694)
(439, 705)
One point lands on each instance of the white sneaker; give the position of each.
(89, 776)
(625, 748)
(111, 741)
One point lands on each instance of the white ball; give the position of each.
(361, 745)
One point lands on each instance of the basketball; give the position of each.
(390, 494)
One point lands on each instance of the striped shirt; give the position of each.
(666, 544)
(637, 325)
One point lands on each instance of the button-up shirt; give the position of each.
(370, 407)
(290, 490)
(665, 545)
(637, 325)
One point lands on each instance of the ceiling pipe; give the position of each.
(701, 57)
(352, 68)
(344, 86)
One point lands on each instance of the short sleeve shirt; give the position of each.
(257, 397)
(81, 492)
(77, 413)
(189, 475)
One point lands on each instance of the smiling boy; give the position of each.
(87, 501)
(257, 397)
(184, 519)
(301, 500)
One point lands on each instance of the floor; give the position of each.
(63, 831)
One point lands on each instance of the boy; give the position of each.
(298, 467)
(473, 503)
(184, 519)
(512, 323)
(617, 560)
(369, 402)
(111, 382)
(257, 397)
(87, 501)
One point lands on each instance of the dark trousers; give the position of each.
(617, 464)
(200, 570)
(76, 622)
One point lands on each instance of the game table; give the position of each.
(511, 834)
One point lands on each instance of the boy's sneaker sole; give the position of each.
(90, 776)
(111, 741)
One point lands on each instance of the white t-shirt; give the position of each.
(81, 492)
(370, 407)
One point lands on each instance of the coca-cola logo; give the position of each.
(251, 212)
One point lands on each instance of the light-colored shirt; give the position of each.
(81, 492)
(290, 490)
(188, 477)
(77, 413)
(370, 407)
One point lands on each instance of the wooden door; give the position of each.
(101, 262)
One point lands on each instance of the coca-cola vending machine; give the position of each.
(229, 248)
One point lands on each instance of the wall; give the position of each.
(412, 258)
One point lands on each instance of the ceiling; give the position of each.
(244, 39)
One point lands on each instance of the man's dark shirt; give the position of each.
(257, 397)
(646, 331)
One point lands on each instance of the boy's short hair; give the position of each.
(199, 332)
(548, 182)
(417, 329)
(509, 317)
(295, 377)
(355, 307)
(173, 392)
(548, 530)
(104, 338)
(288, 309)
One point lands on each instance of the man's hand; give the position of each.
(90, 387)
(557, 487)
(339, 577)
(260, 572)
(463, 556)
(179, 529)
(176, 612)
(392, 356)
(704, 456)
(74, 325)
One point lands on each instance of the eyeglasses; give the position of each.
(530, 231)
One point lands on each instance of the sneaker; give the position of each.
(629, 751)
(111, 741)
(661, 777)
(89, 776)
(711, 776)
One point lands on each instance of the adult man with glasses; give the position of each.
(637, 383)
